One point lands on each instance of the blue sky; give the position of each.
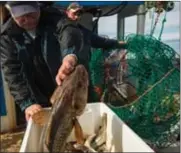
(108, 25)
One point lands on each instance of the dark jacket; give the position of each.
(30, 66)
(78, 40)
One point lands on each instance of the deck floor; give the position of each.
(11, 142)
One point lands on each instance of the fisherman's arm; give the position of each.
(70, 42)
(106, 43)
(14, 76)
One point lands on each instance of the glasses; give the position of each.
(78, 13)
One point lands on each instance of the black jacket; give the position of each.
(30, 66)
(78, 40)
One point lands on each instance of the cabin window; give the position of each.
(107, 26)
(130, 25)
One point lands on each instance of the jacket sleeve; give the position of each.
(70, 41)
(101, 42)
(13, 73)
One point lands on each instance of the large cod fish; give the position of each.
(68, 102)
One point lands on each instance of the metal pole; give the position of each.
(141, 20)
(120, 27)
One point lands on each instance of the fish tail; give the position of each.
(79, 135)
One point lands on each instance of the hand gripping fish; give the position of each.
(68, 102)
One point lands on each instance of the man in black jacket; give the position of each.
(36, 47)
(77, 40)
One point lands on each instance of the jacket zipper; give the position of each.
(44, 52)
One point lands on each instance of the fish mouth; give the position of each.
(81, 70)
(84, 75)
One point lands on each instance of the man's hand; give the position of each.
(31, 110)
(122, 42)
(66, 68)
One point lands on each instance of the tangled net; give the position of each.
(97, 73)
(155, 114)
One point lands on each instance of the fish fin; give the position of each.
(82, 148)
(88, 142)
(79, 135)
(41, 117)
(101, 134)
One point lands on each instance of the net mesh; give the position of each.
(96, 66)
(155, 114)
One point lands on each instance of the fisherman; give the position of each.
(35, 50)
(74, 11)
(85, 40)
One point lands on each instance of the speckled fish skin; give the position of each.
(68, 105)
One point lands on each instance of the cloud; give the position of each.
(130, 24)
(176, 7)
(169, 36)
(172, 19)
(108, 24)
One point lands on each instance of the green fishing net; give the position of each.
(155, 114)
(96, 72)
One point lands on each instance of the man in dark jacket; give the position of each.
(78, 40)
(36, 47)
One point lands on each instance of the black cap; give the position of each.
(74, 6)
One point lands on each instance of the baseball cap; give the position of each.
(19, 8)
(74, 7)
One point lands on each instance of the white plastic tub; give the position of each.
(120, 137)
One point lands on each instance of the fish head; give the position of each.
(80, 76)
(80, 83)
(73, 91)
